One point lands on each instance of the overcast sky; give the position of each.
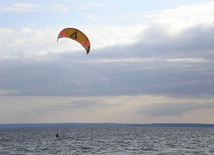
(150, 61)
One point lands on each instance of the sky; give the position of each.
(150, 61)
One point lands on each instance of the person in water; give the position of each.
(57, 135)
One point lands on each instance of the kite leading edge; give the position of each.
(76, 35)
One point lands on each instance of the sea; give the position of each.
(110, 140)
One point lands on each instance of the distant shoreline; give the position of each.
(64, 125)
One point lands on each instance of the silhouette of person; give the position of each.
(57, 135)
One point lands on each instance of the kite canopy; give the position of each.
(76, 35)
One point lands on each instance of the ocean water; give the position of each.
(107, 140)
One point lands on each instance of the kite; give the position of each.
(76, 35)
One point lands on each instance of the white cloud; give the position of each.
(102, 36)
(20, 7)
(90, 5)
(28, 41)
(5, 31)
(26, 30)
(61, 8)
(168, 22)
(92, 17)
(175, 20)
(36, 42)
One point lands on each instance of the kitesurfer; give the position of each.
(57, 135)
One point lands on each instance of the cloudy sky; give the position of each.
(150, 61)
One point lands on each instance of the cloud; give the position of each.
(123, 108)
(90, 5)
(27, 42)
(6, 92)
(20, 7)
(173, 108)
(92, 17)
(132, 59)
(185, 16)
(193, 39)
(37, 42)
(61, 8)
(182, 66)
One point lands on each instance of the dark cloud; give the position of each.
(158, 63)
(194, 41)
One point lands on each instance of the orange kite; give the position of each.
(76, 35)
